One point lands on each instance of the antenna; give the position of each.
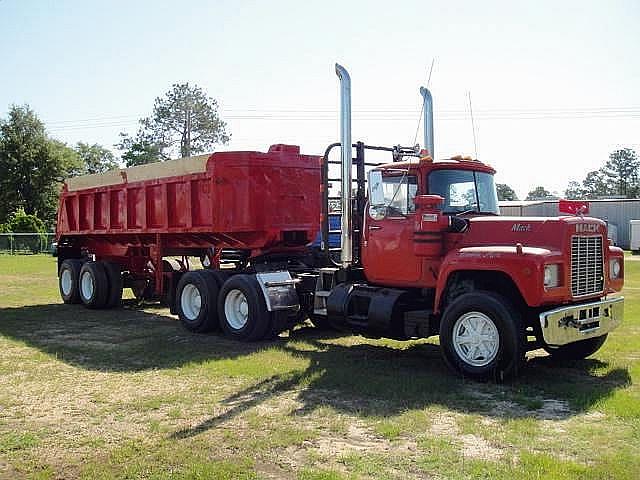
(473, 126)
(415, 138)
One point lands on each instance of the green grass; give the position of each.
(130, 394)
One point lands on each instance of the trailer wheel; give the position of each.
(68, 280)
(243, 311)
(196, 302)
(576, 350)
(93, 285)
(114, 277)
(481, 336)
(218, 275)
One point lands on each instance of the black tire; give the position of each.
(70, 271)
(114, 277)
(218, 275)
(280, 321)
(191, 285)
(244, 291)
(321, 322)
(487, 360)
(93, 294)
(577, 350)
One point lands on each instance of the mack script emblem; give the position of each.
(587, 228)
(521, 227)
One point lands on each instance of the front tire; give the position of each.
(481, 336)
(576, 350)
(196, 302)
(243, 311)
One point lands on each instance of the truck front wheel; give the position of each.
(243, 311)
(481, 336)
(576, 350)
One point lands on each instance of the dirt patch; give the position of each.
(271, 470)
(357, 439)
(472, 446)
(6, 470)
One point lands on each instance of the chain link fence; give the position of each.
(26, 243)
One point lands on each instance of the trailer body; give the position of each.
(230, 199)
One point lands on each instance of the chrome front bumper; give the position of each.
(578, 322)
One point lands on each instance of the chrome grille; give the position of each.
(587, 275)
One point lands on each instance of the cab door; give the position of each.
(387, 250)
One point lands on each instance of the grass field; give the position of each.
(130, 394)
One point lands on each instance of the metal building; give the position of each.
(616, 212)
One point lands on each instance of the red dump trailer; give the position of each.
(422, 251)
(227, 208)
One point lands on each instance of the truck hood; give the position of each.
(552, 233)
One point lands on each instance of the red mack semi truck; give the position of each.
(422, 250)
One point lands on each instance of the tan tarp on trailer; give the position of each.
(170, 168)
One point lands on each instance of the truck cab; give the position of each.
(404, 230)
(436, 258)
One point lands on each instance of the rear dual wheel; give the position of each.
(243, 311)
(95, 284)
(68, 276)
(196, 299)
(213, 300)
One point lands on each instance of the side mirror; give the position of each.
(376, 193)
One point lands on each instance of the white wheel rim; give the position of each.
(66, 281)
(236, 309)
(87, 286)
(191, 301)
(476, 339)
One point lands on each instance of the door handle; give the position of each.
(375, 227)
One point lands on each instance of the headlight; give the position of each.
(551, 275)
(615, 268)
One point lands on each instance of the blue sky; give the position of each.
(554, 84)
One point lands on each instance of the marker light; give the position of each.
(615, 268)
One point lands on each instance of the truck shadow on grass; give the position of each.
(352, 375)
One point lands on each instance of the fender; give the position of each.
(524, 265)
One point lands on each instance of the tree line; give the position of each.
(33, 164)
(619, 177)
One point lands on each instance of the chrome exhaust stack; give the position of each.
(346, 255)
(428, 120)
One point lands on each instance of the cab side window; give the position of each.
(399, 194)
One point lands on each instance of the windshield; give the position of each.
(464, 191)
